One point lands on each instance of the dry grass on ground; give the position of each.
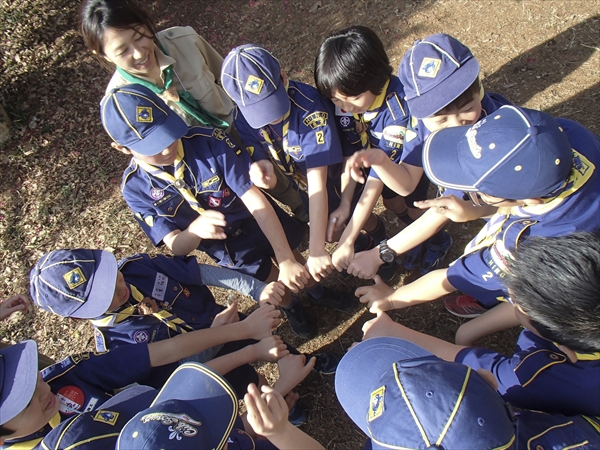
(59, 184)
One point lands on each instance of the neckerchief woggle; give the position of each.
(174, 323)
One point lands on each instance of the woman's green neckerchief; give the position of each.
(186, 101)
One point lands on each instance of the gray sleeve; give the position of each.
(230, 279)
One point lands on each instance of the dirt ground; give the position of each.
(60, 179)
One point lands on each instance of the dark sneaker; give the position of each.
(297, 415)
(337, 300)
(326, 363)
(298, 321)
(434, 255)
(387, 271)
(412, 258)
(463, 306)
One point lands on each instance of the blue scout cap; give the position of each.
(403, 397)
(74, 283)
(196, 408)
(434, 72)
(18, 378)
(99, 429)
(514, 153)
(137, 118)
(251, 76)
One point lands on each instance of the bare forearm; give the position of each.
(187, 344)
(268, 222)
(226, 363)
(429, 287)
(292, 438)
(400, 178)
(182, 242)
(417, 232)
(364, 207)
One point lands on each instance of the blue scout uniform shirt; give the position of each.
(480, 270)
(417, 132)
(85, 381)
(382, 126)
(175, 283)
(540, 376)
(216, 172)
(307, 138)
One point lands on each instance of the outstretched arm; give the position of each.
(257, 325)
(267, 414)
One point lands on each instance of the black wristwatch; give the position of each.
(386, 254)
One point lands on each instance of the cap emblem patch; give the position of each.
(429, 67)
(376, 403)
(105, 416)
(74, 278)
(144, 114)
(180, 425)
(254, 84)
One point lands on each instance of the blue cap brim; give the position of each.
(18, 378)
(103, 287)
(439, 96)
(441, 161)
(207, 392)
(267, 110)
(363, 366)
(173, 128)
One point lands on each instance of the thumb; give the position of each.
(377, 279)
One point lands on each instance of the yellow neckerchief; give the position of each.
(28, 445)
(174, 323)
(370, 114)
(280, 155)
(176, 180)
(576, 179)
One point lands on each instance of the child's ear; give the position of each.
(284, 77)
(120, 148)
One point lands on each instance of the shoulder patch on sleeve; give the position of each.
(395, 134)
(316, 119)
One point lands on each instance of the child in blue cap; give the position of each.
(204, 415)
(441, 81)
(287, 123)
(402, 396)
(33, 403)
(530, 174)
(154, 298)
(554, 285)
(190, 188)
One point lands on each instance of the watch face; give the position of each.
(386, 255)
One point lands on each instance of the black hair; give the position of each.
(352, 61)
(96, 16)
(556, 282)
(462, 99)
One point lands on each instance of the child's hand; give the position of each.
(381, 325)
(209, 225)
(292, 370)
(455, 209)
(15, 303)
(337, 223)
(267, 413)
(377, 297)
(260, 323)
(319, 266)
(365, 264)
(362, 160)
(262, 174)
(343, 256)
(272, 293)
(293, 274)
(227, 316)
(270, 349)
